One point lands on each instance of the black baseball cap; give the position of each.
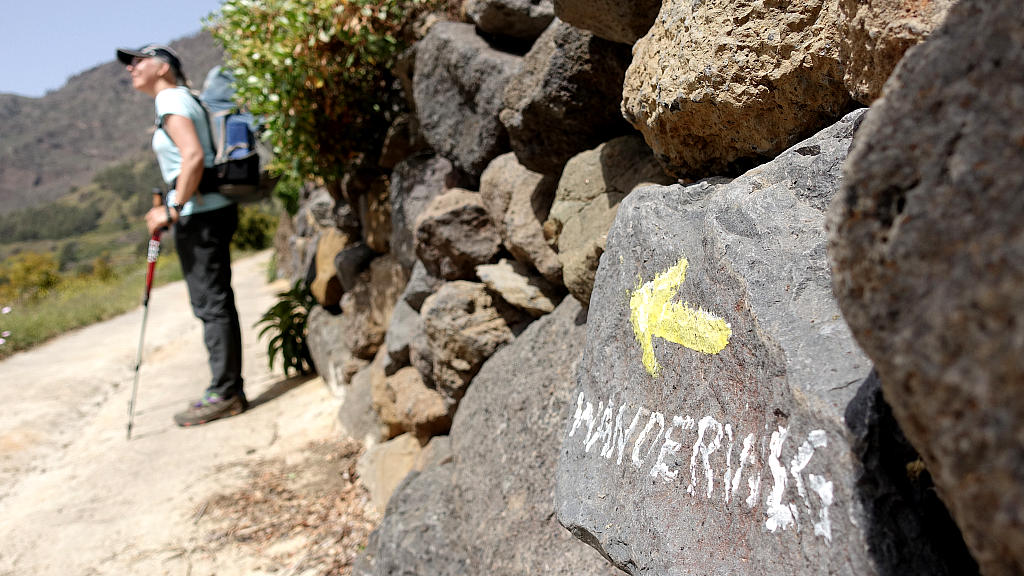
(125, 55)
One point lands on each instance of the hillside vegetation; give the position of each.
(56, 143)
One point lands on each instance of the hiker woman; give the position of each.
(202, 223)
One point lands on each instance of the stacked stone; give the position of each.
(656, 176)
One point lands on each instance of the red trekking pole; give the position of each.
(151, 255)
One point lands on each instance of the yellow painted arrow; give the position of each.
(654, 315)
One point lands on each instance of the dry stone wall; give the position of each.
(610, 368)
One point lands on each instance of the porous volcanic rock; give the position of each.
(708, 434)
(517, 286)
(718, 87)
(421, 284)
(350, 263)
(465, 324)
(588, 194)
(875, 35)
(518, 201)
(415, 182)
(515, 18)
(927, 248)
(368, 306)
(612, 20)
(566, 98)
(458, 84)
(487, 508)
(406, 404)
(455, 234)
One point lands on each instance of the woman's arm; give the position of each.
(183, 133)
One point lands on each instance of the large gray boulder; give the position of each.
(566, 99)
(610, 19)
(708, 432)
(455, 234)
(487, 508)
(518, 201)
(927, 247)
(716, 87)
(415, 182)
(513, 18)
(458, 85)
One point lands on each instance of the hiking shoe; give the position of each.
(211, 407)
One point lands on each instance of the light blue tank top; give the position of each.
(179, 101)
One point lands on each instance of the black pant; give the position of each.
(203, 242)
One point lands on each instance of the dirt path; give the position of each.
(77, 499)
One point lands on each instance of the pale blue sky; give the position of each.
(43, 42)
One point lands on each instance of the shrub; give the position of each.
(319, 72)
(256, 226)
(32, 274)
(287, 320)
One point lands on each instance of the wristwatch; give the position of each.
(178, 208)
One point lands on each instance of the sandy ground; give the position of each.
(76, 498)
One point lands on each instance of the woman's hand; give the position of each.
(156, 219)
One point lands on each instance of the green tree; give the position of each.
(319, 72)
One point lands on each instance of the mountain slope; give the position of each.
(49, 145)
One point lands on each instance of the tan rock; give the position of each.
(876, 33)
(326, 287)
(718, 86)
(368, 307)
(405, 404)
(518, 201)
(513, 281)
(586, 201)
(383, 467)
